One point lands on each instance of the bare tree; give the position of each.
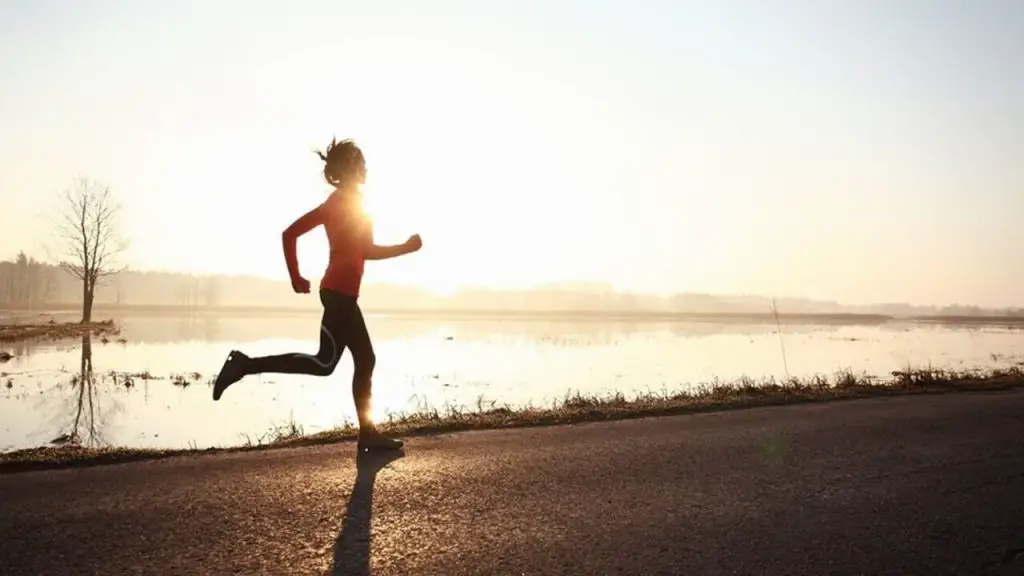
(90, 244)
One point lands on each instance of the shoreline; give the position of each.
(158, 310)
(26, 332)
(574, 409)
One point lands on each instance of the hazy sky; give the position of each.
(859, 151)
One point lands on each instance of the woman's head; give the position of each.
(344, 165)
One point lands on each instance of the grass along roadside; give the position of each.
(573, 408)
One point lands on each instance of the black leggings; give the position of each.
(342, 326)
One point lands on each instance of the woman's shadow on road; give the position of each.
(352, 548)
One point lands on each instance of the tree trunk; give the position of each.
(87, 295)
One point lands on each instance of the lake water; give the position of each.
(426, 363)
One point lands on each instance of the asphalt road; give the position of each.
(921, 485)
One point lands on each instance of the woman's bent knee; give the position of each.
(325, 366)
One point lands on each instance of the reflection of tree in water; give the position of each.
(198, 328)
(87, 416)
(21, 348)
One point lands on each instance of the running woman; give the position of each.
(350, 236)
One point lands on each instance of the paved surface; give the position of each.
(924, 485)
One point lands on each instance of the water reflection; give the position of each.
(236, 330)
(247, 329)
(84, 413)
(193, 328)
(18, 348)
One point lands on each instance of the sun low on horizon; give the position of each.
(481, 224)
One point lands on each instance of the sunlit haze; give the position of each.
(857, 151)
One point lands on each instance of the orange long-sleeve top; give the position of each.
(349, 234)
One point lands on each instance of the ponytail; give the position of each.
(342, 160)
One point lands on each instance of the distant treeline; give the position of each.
(27, 283)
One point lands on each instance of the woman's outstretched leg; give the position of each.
(332, 345)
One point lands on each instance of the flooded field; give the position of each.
(149, 387)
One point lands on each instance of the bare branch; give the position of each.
(87, 230)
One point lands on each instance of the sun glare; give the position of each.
(388, 221)
(370, 203)
(386, 402)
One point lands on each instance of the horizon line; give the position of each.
(552, 285)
